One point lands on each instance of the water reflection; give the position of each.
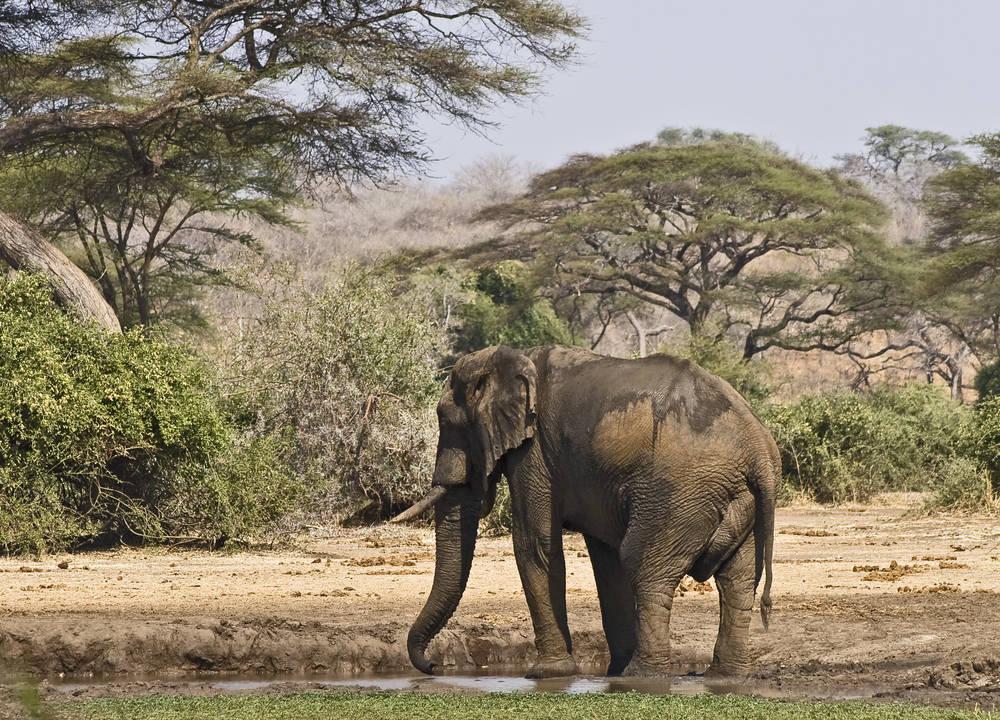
(688, 684)
(689, 680)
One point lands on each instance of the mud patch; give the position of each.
(938, 588)
(106, 648)
(128, 613)
(806, 532)
(379, 560)
(690, 585)
(894, 572)
(981, 675)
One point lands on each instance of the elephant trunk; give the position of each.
(456, 519)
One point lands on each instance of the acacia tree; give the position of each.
(898, 161)
(728, 235)
(898, 164)
(962, 282)
(335, 88)
(22, 26)
(149, 241)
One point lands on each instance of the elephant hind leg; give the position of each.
(735, 582)
(617, 603)
(654, 570)
(737, 521)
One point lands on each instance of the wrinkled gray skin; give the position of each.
(660, 465)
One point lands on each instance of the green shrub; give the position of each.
(981, 439)
(504, 310)
(106, 436)
(246, 488)
(845, 446)
(971, 481)
(964, 485)
(349, 375)
(987, 381)
(751, 378)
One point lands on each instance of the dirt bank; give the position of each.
(864, 596)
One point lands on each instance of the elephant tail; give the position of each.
(764, 536)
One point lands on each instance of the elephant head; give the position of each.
(487, 410)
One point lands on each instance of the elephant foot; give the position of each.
(639, 668)
(727, 671)
(560, 667)
(617, 665)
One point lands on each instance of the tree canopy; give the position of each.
(149, 241)
(151, 100)
(904, 154)
(341, 84)
(729, 235)
(961, 281)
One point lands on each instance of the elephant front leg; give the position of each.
(735, 582)
(540, 562)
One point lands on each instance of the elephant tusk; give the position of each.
(436, 493)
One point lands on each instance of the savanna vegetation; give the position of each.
(229, 183)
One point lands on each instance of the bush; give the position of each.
(751, 378)
(349, 375)
(112, 437)
(971, 482)
(243, 490)
(964, 485)
(505, 310)
(843, 446)
(987, 381)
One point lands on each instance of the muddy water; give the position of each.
(688, 681)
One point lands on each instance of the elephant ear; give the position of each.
(503, 405)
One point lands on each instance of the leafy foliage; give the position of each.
(904, 157)
(338, 86)
(118, 437)
(505, 310)
(149, 240)
(982, 439)
(971, 483)
(152, 124)
(349, 373)
(698, 229)
(843, 446)
(751, 378)
(500, 521)
(960, 281)
(963, 485)
(987, 381)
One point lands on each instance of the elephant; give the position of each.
(663, 468)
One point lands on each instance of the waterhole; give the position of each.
(688, 680)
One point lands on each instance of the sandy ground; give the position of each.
(875, 597)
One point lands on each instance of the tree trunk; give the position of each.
(23, 249)
(640, 332)
(955, 364)
(957, 393)
(643, 333)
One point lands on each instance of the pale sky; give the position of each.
(809, 74)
